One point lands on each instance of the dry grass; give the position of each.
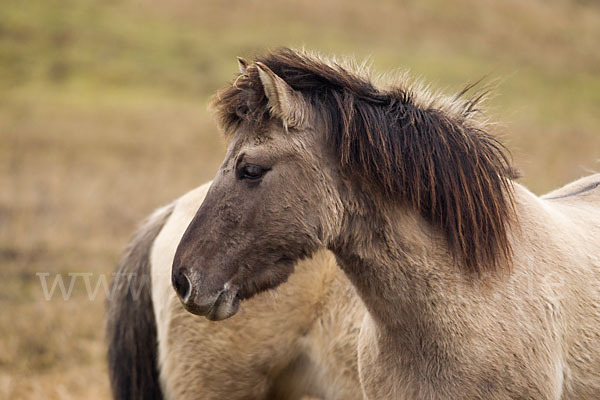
(103, 118)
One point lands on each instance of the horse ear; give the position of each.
(242, 65)
(284, 102)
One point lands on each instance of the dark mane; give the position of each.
(430, 151)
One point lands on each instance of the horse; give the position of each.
(475, 288)
(296, 342)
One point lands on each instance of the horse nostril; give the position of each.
(183, 286)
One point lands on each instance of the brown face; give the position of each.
(265, 210)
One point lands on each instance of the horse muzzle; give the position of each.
(216, 307)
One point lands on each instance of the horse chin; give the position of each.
(226, 305)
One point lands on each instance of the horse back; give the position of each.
(586, 188)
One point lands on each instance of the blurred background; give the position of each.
(103, 117)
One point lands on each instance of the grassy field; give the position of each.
(103, 117)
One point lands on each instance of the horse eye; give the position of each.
(252, 171)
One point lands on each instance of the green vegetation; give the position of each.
(103, 118)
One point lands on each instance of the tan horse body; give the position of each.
(297, 340)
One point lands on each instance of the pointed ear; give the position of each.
(242, 65)
(284, 102)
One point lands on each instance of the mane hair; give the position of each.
(431, 151)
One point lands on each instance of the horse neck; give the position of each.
(397, 263)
